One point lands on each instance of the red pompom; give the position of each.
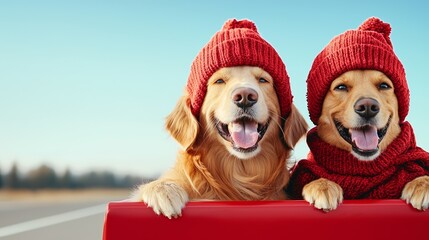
(234, 23)
(376, 25)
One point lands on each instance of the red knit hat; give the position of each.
(238, 43)
(367, 47)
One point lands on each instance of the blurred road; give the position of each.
(79, 218)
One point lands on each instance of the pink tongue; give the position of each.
(244, 133)
(366, 138)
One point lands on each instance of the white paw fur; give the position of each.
(166, 198)
(416, 193)
(323, 194)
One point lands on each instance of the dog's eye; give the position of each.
(384, 86)
(341, 87)
(263, 80)
(219, 81)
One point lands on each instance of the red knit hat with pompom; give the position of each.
(238, 43)
(367, 47)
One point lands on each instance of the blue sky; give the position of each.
(87, 84)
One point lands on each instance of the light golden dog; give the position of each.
(360, 115)
(236, 150)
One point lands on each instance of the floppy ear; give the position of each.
(182, 124)
(294, 127)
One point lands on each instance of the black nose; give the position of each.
(367, 107)
(244, 97)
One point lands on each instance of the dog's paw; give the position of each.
(166, 198)
(416, 193)
(323, 194)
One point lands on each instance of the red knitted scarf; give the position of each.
(382, 178)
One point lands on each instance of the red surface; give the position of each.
(354, 219)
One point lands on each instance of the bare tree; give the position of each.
(42, 177)
(12, 179)
(1, 178)
(67, 180)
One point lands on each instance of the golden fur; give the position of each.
(339, 105)
(209, 167)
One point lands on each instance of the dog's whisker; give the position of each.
(274, 119)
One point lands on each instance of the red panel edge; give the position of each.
(353, 219)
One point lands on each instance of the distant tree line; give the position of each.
(45, 176)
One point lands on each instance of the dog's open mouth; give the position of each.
(364, 139)
(244, 133)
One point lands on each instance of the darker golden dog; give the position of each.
(362, 147)
(360, 115)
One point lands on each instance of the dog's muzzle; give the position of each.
(363, 139)
(244, 133)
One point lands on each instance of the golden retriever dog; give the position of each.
(361, 147)
(360, 115)
(235, 150)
